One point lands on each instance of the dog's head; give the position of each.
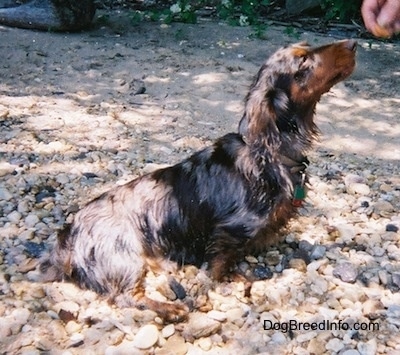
(315, 71)
(290, 83)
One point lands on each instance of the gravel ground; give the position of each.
(82, 112)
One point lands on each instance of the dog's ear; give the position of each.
(278, 102)
(262, 112)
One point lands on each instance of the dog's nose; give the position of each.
(351, 44)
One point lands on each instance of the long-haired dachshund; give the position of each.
(222, 202)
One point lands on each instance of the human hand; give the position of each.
(381, 17)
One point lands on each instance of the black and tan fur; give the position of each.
(218, 204)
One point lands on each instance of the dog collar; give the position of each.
(297, 167)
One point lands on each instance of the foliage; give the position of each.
(181, 11)
(241, 13)
(342, 10)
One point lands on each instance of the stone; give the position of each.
(372, 309)
(251, 259)
(278, 338)
(93, 335)
(392, 228)
(5, 328)
(26, 235)
(346, 271)
(6, 168)
(298, 264)
(234, 315)
(62, 179)
(168, 331)
(200, 325)
(334, 345)
(175, 345)
(243, 267)
(350, 352)
(396, 279)
(23, 206)
(177, 288)
(317, 252)
(262, 272)
(383, 277)
(306, 336)
(305, 245)
(5, 194)
(31, 220)
(146, 337)
(67, 306)
(383, 208)
(73, 327)
(390, 236)
(205, 343)
(316, 346)
(358, 189)
(21, 315)
(368, 348)
(347, 232)
(272, 258)
(124, 347)
(355, 185)
(217, 315)
(353, 179)
(393, 314)
(14, 217)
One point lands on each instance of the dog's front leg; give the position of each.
(223, 254)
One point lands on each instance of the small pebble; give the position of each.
(251, 259)
(393, 311)
(298, 264)
(175, 345)
(217, 315)
(262, 272)
(146, 337)
(168, 331)
(205, 343)
(372, 308)
(31, 220)
(396, 279)
(317, 252)
(383, 208)
(200, 325)
(177, 288)
(272, 258)
(334, 345)
(392, 228)
(347, 272)
(14, 217)
(5, 194)
(351, 352)
(35, 250)
(278, 338)
(368, 348)
(305, 245)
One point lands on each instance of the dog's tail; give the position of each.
(55, 264)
